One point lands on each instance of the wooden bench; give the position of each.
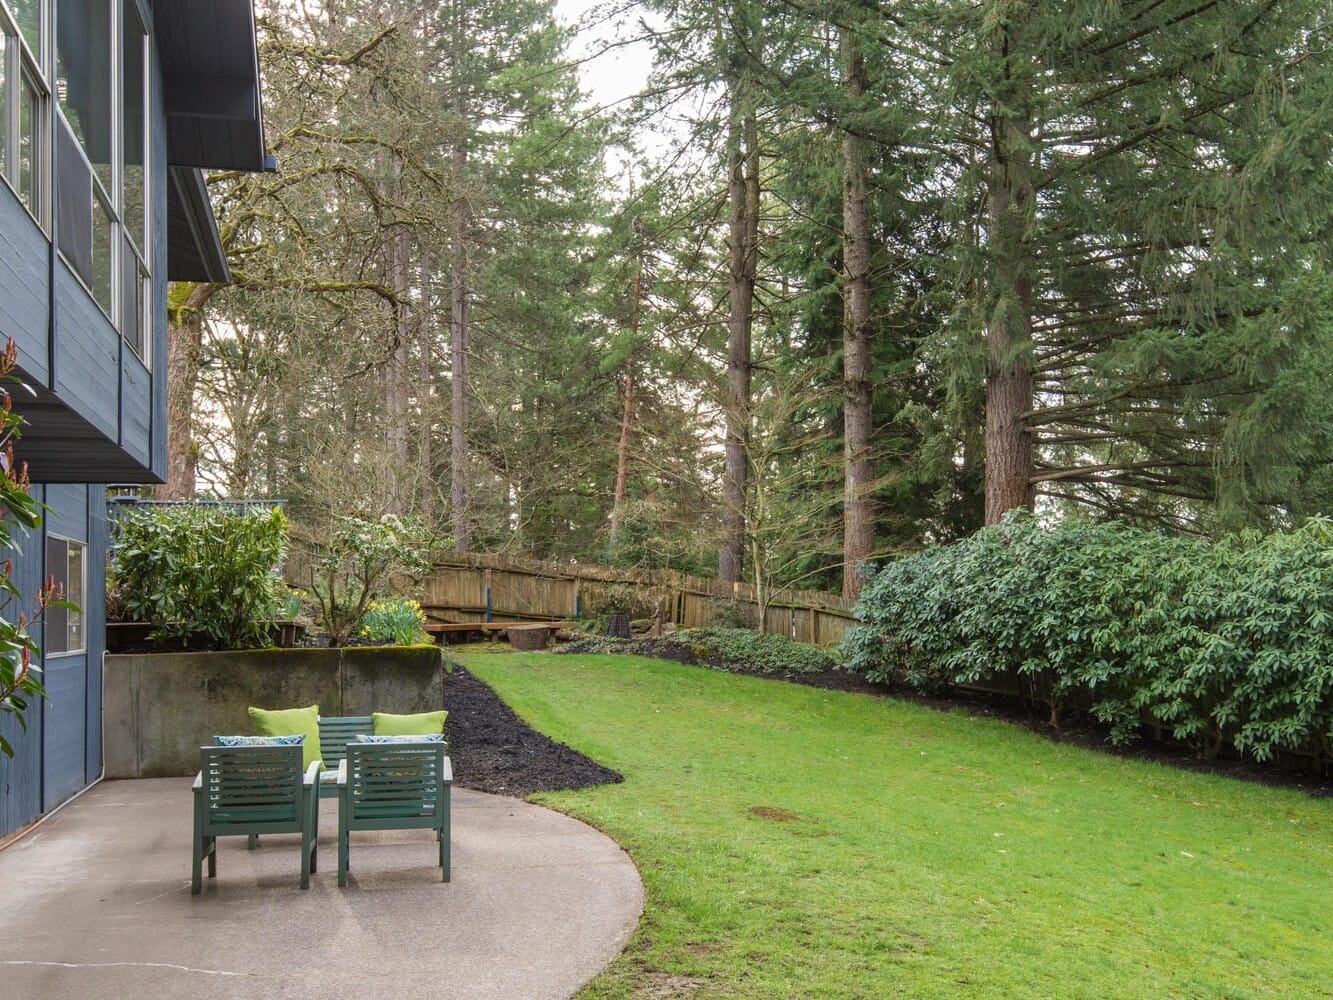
(335, 732)
(440, 631)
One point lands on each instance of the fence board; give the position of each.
(457, 590)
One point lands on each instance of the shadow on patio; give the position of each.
(96, 903)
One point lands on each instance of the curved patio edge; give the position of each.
(98, 903)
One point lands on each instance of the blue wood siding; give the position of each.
(63, 741)
(87, 354)
(65, 719)
(94, 611)
(136, 408)
(21, 775)
(25, 279)
(67, 515)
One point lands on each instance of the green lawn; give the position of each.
(803, 843)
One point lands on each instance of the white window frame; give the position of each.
(116, 311)
(21, 62)
(80, 617)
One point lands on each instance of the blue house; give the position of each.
(108, 111)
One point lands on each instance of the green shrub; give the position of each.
(396, 621)
(748, 649)
(195, 571)
(1226, 643)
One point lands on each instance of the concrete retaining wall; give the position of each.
(161, 707)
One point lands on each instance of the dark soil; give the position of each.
(493, 750)
(515, 762)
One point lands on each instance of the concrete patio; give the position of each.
(96, 904)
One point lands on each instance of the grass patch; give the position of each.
(804, 843)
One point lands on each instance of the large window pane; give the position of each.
(66, 564)
(83, 77)
(131, 300)
(104, 228)
(74, 196)
(28, 14)
(6, 165)
(30, 145)
(75, 579)
(133, 134)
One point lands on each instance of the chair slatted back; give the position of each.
(251, 789)
(398, 784)
(335, 732)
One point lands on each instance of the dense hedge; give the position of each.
(200, 571)
(1228, 642)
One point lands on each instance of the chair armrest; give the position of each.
(447, 772)
(342, 773)
(198, 785)
(312, 774)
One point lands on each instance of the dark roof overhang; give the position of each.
(194, 248)
(210, 69)
(210, 75)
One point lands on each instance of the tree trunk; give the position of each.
(858, 425)
(627, 416)
(1009, 458)
(185, 328)
(426, 393)
(395, 380)
(458, 346)
(742, 238)
(622, 454)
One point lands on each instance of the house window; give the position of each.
(134, 177)
(102, 164)
(67, 565)
(23, 101)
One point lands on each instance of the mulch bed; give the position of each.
(495, 751)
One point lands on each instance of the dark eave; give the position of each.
(210, 70)
(210, 83)
(194, 249)
(59, 446)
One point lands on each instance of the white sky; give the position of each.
(614, 75)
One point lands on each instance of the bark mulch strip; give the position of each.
(493, 750)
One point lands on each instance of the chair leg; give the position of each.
(445, 836)
(344, 842)
(344, 862)
(252, 842)
(204, 847)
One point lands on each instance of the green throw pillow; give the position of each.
(421, 724)
(291, 722)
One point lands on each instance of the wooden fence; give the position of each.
(482, 587)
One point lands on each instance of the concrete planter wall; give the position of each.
(161, 707)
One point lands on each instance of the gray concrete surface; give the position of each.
(95, 904)
(160, 706)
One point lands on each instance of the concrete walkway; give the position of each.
(96, 904)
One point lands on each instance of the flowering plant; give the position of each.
(396, 621)
(360, 556)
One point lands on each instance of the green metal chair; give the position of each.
(394, 786)
(246, 791)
